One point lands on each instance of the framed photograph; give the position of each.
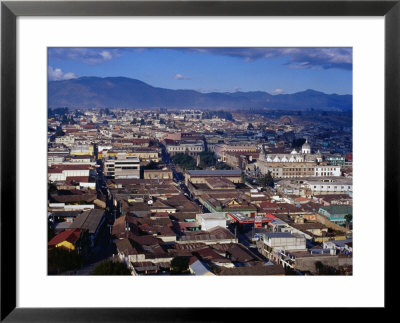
(254, 76)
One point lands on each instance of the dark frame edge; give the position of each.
(8, 161)
(203, 8)
(392, 136)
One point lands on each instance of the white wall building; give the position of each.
(327, 171)
(208, 221)
(341, 185)
(122, 167)
(61, 174)
(66, 140)
(186, 148)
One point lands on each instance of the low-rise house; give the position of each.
(60, 172)
(305, 261)
(336, 213)
(230, 205)
(92, 220)
(212, 236)
(211, 220)
(198, 268)
(200, 176)
(164, 173)
(275, 242)
(71, 239)
(340, 246)
(127, 252)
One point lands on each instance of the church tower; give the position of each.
(306, 148)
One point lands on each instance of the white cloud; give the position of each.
(277, 91)
(106, 55)
(300, 57)
(91, 56)
(181, 77)
(58, 75)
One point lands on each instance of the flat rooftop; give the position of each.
(234, 172)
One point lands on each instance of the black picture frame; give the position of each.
(10, 10)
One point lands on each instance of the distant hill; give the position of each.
(122, 92)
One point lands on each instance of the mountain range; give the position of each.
(122, 92)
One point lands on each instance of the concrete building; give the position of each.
(189, 148)
(284, 241)
(339, 185)
(296, 164)
(164, 173)
(276, 242)
(60, 172)
(222, 149)
(66, 140)
(122, 167)
(336, 213)
(82, 150)
(201, 176)
(211, 220)
(336, 160)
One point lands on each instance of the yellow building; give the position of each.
(70, 239)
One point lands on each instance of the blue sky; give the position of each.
(273, 70)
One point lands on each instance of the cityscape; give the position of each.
(200, 161)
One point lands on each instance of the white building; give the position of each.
(208, 221)
(186, 148)
(274, 243)
(284, 241)
(296, 164)
(327, 171)
(66, 140)
(60, 172)
(122, 167)
(340, 185)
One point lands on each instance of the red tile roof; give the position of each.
(71, 236)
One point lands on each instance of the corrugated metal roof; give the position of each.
(88, 220)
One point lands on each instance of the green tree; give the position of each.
(207, 159)
(348, 218)
(185, 161)
(151, 165)
(243, 177)
(50, 231)
(269, 180)
(266, 180)
(223, 166)
(64, 119)
(60, 132)
(60, 260)
(109, 267)
(319, 267)
(180, 265)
